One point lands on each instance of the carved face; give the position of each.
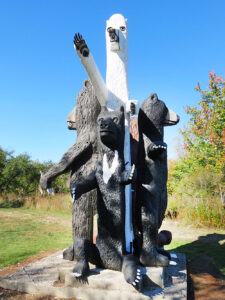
(116, 33)
(153, 116)
(111, 128)
(71, 120)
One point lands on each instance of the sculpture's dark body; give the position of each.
(87, 111)
(110, 179)
(98, 179)
(81, 159)
(151, 193)
(110, 205)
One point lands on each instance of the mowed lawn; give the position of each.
(25, 232)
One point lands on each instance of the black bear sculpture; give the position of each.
(110, 178)
(151, 191)
(80, 160)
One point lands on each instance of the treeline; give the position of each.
(19, 175)
(196, 185)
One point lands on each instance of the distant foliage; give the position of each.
(20, 175)
(196, 184)
(195, 196)
(204, 138)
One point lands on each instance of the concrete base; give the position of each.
(51, 276)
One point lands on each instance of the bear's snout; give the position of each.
(104, 124)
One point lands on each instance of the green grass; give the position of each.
(26, 232)
(214, 247)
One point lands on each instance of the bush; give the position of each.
(195, 196)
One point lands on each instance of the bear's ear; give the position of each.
(154, 97)
(120, 109)
(87, 84)
(104, 108)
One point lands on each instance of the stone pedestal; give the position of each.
(112, 280)
(52, 276)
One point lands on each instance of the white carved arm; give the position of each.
(90, 66)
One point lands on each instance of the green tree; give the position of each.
(4, 157)
(196, 181)
(20, 176)
(204, 138)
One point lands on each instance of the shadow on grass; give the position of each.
(205, 255)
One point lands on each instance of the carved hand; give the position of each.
(80, 45)
(73, 192)
(156, 150)
(44, 181)
(129, 175)
(132, 106)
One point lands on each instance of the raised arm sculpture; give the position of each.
(116, 91)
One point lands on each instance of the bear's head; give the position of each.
(116, 34)
(153, 116)
(84, 115)
(111, 128)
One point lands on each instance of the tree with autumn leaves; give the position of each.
(196, 185)
(204, 138)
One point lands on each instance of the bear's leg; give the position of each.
(68, 253)
(149, 256)
(164, 252)
(85, 251)
(131, 271)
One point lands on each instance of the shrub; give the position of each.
(195, 197)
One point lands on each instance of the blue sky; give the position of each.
(172, 46)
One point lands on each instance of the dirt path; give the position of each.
(205, 282)
(189, 232)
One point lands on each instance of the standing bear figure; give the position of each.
(151, 193)
(110, 178)
(80, 160)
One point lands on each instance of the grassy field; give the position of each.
(25, 232)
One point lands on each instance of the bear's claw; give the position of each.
(132, 272)
(137, 282)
